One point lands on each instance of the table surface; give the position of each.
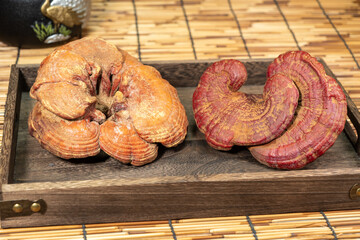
(214, 29)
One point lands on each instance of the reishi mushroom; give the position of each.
(229, 117)
(93, 96)
(320, 116)
(51, 130)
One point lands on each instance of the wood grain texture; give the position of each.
(9, 140)
(353, 115)
(191, 180)
(193, 157)
(266, 34)
(183, 200)
(157, 22)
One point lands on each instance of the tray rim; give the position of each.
(353, 115)
(222, 177)
(331, 188)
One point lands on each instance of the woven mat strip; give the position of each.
(239, 28)
(287, 24)
(218, 29)
(188, 27)
(137, 31)
(276, 226)
(172, 230)
(252, 227)
(84, 232)
(329, 225)
(338, 33)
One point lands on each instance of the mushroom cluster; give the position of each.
(92, 96)
(297, 118)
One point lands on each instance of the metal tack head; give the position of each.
(355, 192)
(35, 207)
(18, 208)
(21, 208)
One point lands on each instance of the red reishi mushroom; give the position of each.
(320, 117)
(229, 117)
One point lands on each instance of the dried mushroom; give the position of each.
(64, 138)
(320, 116)
(125, 145)
(229, 117)
(93, 96)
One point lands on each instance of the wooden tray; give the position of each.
(189, 181)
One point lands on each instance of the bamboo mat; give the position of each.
(215, 29)
(335, 225)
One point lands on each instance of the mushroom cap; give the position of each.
(320, 116)
(91, 80)
(64, 138)
(119, 139)
(229, 117)
(145, 89)
(62, 85)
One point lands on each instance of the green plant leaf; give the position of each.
(43, 31)
(49, 29)
(64, 31)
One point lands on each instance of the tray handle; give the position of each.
(354, 117)
(352, 113)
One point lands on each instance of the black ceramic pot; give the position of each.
(42, 23)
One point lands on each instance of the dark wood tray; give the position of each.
(191, 180)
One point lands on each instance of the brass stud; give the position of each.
(35, 207)
(17, 208)
(358, 192)
(355, 192)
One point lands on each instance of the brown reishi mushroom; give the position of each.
(320, 116)
(64, 138)
(229, 117)
(125, 145)
(93, 96)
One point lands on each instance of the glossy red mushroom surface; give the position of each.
(230, 117)
(320, 116)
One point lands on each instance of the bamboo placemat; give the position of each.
(313, 225)
(215, 29)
